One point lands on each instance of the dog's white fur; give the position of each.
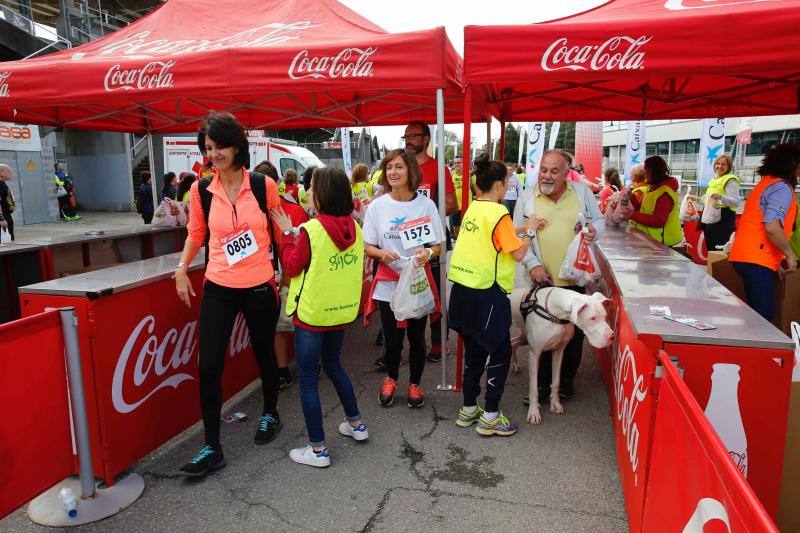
(541, 335)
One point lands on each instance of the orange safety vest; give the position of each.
(751, 244)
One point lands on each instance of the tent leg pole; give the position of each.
(153, 179)
(489, 138)
(466, 196)
(502, 155)
(440, 187)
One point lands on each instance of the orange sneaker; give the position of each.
(416, 398)
(386, 396)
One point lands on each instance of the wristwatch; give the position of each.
(288, 232)
(531, 233)
(430, 253)
(180, 265)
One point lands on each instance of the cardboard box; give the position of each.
(713, 257)
(787, 292)
(789, 517)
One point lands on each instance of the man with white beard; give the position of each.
(559, 201)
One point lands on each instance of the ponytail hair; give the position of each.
(487, 172)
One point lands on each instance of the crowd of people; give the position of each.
(297, 235)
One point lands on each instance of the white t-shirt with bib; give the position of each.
(383, 216)
(513, 187)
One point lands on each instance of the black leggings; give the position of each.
(218, 312)
(393, 339)
(496, 373)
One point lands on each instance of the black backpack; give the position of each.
(259, 187)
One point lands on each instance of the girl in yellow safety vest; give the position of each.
(482, 272)
(657, 211)
(328, 252)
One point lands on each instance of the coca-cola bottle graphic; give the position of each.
(724, 414)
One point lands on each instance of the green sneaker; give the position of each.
(466, 419)
(499, 426)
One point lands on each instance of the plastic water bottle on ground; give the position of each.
(68, 501)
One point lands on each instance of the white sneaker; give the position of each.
(359, 432)
(307, 456)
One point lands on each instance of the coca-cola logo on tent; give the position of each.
(617, 53)
(4, 91)
(153, 75)
(141, 46)
(348, 63)
(154, 368)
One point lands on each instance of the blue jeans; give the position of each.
(311, 347)
(759, 287)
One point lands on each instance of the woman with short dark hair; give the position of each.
(761, 247)
(657, 210)
(400, 178)
(327, 252)
(144, 200)
(239, 277)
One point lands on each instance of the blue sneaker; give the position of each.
(307, 456)
(268, 428)
(499, 426)
(358, 433)
(206, 460)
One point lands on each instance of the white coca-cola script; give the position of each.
(626, 377)
(617, 53)
(349, 63)
(153, 359)
(153, 75)
(4, 92)
(140, 45)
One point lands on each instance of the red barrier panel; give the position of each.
(693, 484)
(139, 350)
(696, 242)
(35, 436)
(745, 394)
(632, 368)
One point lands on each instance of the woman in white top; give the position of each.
(400, 178)
(512, 193)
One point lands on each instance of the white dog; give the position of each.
(552, 313)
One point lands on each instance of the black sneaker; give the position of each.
(434, 357)
(284, 383)
(207, 460)
(268, 428)
(380, 364)
(379, 338)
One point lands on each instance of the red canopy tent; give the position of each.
(643, 59)
(275, 64)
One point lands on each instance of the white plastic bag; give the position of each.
(712, 212)
(183, 213)
(61, 191)
(580, 264)
(688, 210)
(5, 236)
(620, 209)
(413, 297)
(165, 214)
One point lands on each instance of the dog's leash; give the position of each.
(528, 305)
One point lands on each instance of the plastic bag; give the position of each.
(619, 208)
(165, 215)
(688, 210)
(61, 191)
(5, 236)
(712, 213)
(580, 264)
(728, 246)
(182, 217)
(413, 297)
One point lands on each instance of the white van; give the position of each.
(181, 154)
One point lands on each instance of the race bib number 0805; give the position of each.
(239, 245)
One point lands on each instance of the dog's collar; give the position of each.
(531, 304)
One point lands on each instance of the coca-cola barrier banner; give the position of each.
(692, 485)
(140, 351)
(744, 393)
(35, 439)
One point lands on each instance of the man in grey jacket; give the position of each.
(559, 201)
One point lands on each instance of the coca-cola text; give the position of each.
(153, 75)
(349, 63)
(4, 92)
(626, 378)
(153, 359)
(617, 53)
